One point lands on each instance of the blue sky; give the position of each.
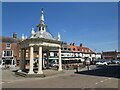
(94, 24)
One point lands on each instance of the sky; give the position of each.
(95, 24)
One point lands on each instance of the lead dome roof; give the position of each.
(42, 34)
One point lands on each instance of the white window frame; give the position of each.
(9, 46)
(89, 50)
(7, 56)
(82, 50)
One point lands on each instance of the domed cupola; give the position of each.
(41, 33)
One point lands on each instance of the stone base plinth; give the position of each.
(24, 74)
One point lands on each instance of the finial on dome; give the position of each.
(42, 11)
(42, 17)
(23, 37)
(59, 36)
(32, 32)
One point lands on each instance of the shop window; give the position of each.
(51, 53)
(55, 53)
(8, 46)
(69, 49)
(65, 48)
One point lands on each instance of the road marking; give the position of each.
(10, 82)
(1, 82)
(105, 79)
(96, 83)
(109, 78)
(101, 81)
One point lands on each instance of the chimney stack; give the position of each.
(70, 43)
(14, 35)
(80, 44)
(73, 44)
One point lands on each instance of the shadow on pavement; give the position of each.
(104, 71)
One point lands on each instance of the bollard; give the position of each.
(76, 68)
(88, 67)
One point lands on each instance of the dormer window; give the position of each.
(78, 49)
(68, 48)
(8, 46)
(73, 49)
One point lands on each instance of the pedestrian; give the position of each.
(67, 66)
(35, 64)
(76, 68)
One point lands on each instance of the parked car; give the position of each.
(53, 64)
(108, 61)
(101, 63)
(116, 61)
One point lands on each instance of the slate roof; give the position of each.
(9, 39)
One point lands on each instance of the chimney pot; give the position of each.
(80, 44)
(14, 35)
(73, 44)
(70, 43)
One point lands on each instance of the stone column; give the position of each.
(43, 63)
(60, 61)
(40, 61)
(24, 59)
(21, 61)
(12, 62)
(31, 61)
(47, 64)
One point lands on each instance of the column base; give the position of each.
(40, 72)
(31, 72)
(59, 69)
(19, 71)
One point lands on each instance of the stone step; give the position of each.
(23, 74)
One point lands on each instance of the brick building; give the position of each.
(10, 50)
